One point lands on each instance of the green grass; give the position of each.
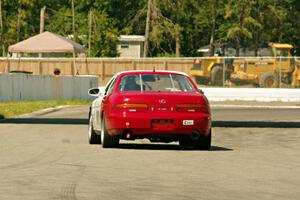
(9, 109)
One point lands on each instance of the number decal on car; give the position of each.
(188, 122)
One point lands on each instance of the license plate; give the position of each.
(188, 122)
(162, 124)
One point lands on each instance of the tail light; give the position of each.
(192, 108)
(126, 107)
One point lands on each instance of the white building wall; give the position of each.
(134, 50)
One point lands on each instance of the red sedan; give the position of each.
(162, 106)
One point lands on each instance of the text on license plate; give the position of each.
(188, 122)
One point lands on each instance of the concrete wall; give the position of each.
(15, 87)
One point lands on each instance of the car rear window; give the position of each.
(156, 83)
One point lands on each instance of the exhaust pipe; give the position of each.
(195, 135)
(127, 134)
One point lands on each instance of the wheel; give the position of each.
(268, 80)
(106, 139)
(185, 142)
(204, 142)
(216, 76)
(92, 136)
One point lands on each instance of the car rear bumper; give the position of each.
(140, 124)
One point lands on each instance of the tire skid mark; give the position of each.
(34, 161)
(68, 191)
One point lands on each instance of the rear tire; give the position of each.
(106, 139)
(92, 136)
(203, 143)
(216, 76)
(185, 142)
(268, 80)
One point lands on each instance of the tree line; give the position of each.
(171, 27)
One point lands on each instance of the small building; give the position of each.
(131, 46)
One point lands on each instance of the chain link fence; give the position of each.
(263, 72)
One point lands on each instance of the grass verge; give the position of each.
(9, 109)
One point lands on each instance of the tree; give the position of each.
(176, 27)
(104, 36)
(174, 11)
(242, 23)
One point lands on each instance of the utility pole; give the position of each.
(147, 30)
(19, 22)
(73, 19)
(258, 30)
(42, 19)
(213, 28)
(177, 41)
(90, 32)
(1, 31)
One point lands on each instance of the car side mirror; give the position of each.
(201, 91)
(94, 92)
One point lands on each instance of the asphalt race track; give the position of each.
(255, 155)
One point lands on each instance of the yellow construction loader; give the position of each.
(296, 75)
(210, 70)
(267, 72)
